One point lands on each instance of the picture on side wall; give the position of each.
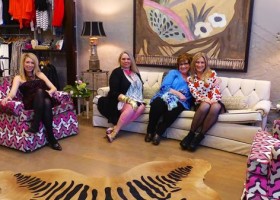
(164, 29)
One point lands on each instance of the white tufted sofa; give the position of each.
(234, 131)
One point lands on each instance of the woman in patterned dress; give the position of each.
(37, 91)
(172, 98)
(124, 102)
(204, 86)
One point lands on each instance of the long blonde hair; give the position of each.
(22, 61)
(133, 66)
(207, 71)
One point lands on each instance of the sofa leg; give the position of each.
(187, 140)
(195, 142)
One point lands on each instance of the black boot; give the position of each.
(185, 143)
(156, 139)
(149, 137)
(195, 142)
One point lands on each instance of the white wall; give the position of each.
(117, 17)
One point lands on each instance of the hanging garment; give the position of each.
(22, 10)
(42, 19)
(50, 71)
(58, 13)
(42, 15)
(1, 12)
(4, 59)
(41, 5)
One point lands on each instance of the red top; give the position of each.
(58, 13)
(22, 10)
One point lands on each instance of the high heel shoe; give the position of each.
(111, 136)
(156, 139)
(56, 146)
(148, 137)
(109, 130)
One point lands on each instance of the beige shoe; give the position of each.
(109, 130)
(111, 136)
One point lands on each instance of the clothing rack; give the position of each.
(3, 58)
(14, 34)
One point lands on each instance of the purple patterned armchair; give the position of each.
(15, 120)
(263, 167)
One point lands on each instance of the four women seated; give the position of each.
(192, 81)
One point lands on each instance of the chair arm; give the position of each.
(263, 106)
(103, 91)
(62, 96)
(12, 107)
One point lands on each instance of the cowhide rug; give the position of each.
(153, 180)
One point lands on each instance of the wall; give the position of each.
(117, 17)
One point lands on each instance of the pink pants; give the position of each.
(128, 115)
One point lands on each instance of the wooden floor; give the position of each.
(90, 154)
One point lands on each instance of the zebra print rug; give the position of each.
(153, 180)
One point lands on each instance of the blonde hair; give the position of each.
(207, 71)
(34, 58)
(133, 66)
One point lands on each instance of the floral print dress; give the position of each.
(201, 89)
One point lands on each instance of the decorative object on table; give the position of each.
(93, 30)
(151, 180)
(80, 91)
(59, 44)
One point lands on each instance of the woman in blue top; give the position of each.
(172, 98)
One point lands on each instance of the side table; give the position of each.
(80, 101)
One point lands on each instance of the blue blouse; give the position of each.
(174, 80)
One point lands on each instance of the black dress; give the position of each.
(28, 90)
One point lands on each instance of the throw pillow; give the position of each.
(235, 102)
(149, 92)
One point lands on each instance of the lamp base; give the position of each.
(94, 65)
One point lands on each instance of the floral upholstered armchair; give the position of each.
(15, 120)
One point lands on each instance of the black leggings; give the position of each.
(159, 109)
(42, 106)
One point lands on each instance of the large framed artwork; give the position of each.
(164, 29)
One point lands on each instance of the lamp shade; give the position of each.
(93, 29)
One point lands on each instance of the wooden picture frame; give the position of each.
(164, 29)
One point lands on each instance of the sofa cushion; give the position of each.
(151, 83)
(235, 102)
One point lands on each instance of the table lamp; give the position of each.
(93, 30)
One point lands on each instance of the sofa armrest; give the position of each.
(103, 91)
(62, 97)
(12, 107)
(263, 106)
